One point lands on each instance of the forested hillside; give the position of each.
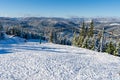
(99, 34)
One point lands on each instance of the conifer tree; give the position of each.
(85, 43)
(51, 37)
(119, 45)
(80, 41)
(82, 31)
(91, 43)
(117, 48)
(99, 35)
(2, 33)
(91, 29)
(98, 39)
(81, 35)
(86, 31)
(55, 40)
(110, 48)
(90, 34)
(40, 37)
(101, 40)
(74, 40)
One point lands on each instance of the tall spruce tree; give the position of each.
(82, 31)
(40, 38)
(111, 48)
(86, 31)
(118, 48)
(81, 36)
(51, 37)
(85, 43)
(102, 40)
(74, 40)
(80, 41)
(2, 32)
(54, 34)
(91, 29)
(91, 41)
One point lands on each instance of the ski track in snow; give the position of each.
(34, 61)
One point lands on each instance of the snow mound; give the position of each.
(12, 40)
(34, 61)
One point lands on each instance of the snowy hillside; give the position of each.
(12, 40)
(34, 61)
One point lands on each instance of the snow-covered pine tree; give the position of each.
(118, 48)
(80, 41)
(91, 38)
(82, 31)
(91, 29)
(97, 44)
(2, 32)
(51, 37)
(81, 36)
(86, 31)
(55, 37)
(91, 43)
(101, 41)
(85, 43)
(111, 48)
(74, 40)
(40, 37)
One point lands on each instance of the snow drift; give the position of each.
(12, 40)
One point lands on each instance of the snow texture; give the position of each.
(34, 61)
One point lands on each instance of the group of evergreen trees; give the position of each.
(23, 32)
(87, 39)
(113, 49)
(57, 38)
(2, 32)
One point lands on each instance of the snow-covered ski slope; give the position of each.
(34, 61)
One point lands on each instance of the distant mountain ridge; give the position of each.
(66, 25)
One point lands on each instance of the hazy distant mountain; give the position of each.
(69, 25)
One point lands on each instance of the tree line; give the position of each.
(89, 40)
(86, 38)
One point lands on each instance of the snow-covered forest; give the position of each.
(66, 32)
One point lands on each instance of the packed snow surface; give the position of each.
(47, 61)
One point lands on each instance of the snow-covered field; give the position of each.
(34, 61)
